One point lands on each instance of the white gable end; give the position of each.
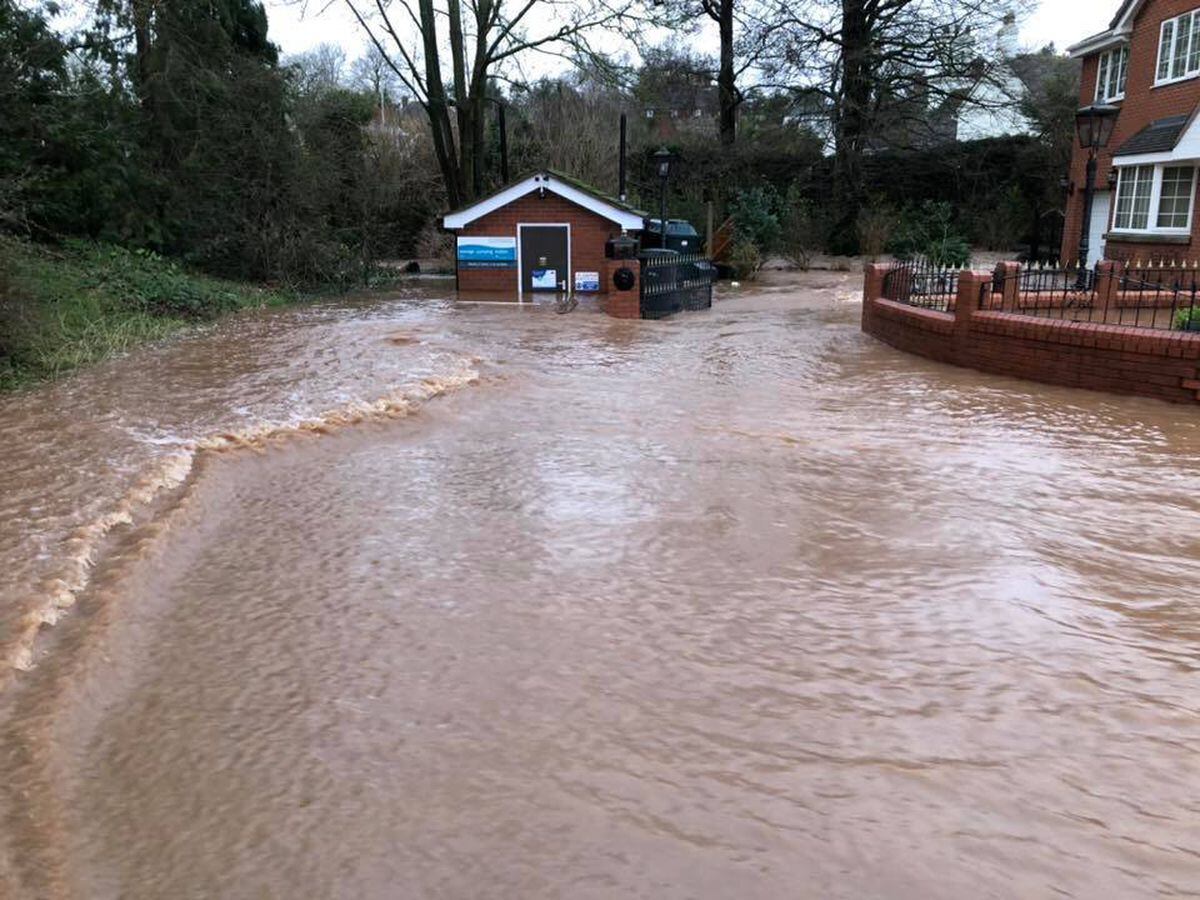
(543, 182)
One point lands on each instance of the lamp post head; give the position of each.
(1094, 125)
(663, 159)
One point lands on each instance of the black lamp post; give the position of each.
(662, 162)
(1095, 126)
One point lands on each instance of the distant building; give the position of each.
(677, 96)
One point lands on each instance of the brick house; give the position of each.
(1148, 64)
(543, 233)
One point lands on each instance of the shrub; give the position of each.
(928, 230)
(806, 228)
(875, 227)
(755, 213)
(746, 259)
(438, 246)
(1188, 319)
(999, 223)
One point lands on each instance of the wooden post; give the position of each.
(708, 231)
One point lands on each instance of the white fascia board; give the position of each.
(1126, 22)
(627, 220)
(515, 192)
(1153, 159)
(1106, 40)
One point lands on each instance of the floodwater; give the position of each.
(398, 598)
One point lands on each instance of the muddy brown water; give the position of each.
(395, 597)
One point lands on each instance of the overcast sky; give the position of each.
(295, 29)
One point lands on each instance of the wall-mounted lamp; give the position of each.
(1067, 185)
(1112, 178)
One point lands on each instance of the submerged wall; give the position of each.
(1117, 358)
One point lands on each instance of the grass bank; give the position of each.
(64, 307)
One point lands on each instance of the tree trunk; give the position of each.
(851, 127)
(476, 133)
(438, 109)
(141, 49)
(727, 95)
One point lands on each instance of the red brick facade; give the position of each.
(1120, 359)
(1144, 103)
(589, 232)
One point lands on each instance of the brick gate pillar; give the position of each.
(621, 304)
(873, 277)
(974, 293)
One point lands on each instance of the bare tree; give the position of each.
(372, 73)
(477, 38)
(881, 64)
(322, 68)
(587, 111)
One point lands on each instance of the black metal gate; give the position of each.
(671, 283)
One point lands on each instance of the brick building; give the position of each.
(544, 233)
(1148, 64)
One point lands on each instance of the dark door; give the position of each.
(544, 258)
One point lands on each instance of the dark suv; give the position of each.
(681, 236)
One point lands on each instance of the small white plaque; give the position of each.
(587, 282)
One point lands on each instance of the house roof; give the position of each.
(1118, 31)
(1128, 8)
(558, 183)
(1157, 137)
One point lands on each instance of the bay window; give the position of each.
(1179, 48)
(1155, 199)
(1111, 75)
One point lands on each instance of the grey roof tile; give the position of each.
(1157, 137)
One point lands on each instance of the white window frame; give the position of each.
(1171, 47)
(1113, 65)
(1155, 199)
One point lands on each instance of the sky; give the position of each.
(297, 25)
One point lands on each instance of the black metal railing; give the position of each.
(673, 283)
(1041, 289)
(1161, 273)
(1048, 280)
(919, 282)
(1091, 295)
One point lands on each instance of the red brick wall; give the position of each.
(1114, 358)
(588, 234)
(1143, 104)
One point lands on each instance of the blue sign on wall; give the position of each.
(487, 252)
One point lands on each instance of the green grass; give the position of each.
(65, 307)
